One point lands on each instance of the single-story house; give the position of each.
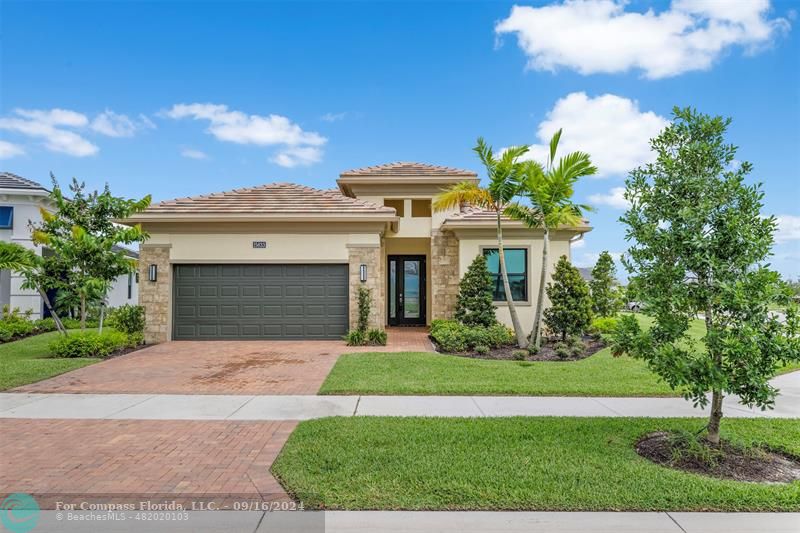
(285, 261)
(20, 203)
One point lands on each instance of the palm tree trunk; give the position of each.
(59, 325)
(536, 333)
(512, 310)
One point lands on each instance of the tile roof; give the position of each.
(12, 181)
(272, 198)
(477, 216)
(407, 169)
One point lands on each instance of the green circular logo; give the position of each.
(19, 512)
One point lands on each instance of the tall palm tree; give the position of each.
(17, 258)
(549, 190)
(503, 173)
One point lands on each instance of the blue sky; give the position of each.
(183, 98)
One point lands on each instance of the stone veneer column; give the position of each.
(444, 274)
(154, 296)
(372, 256)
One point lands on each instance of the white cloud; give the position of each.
(113, 124)
(788, 228)
(299, 156)
(614, 198)
(333, 117)
(609, 127)
(9, 150)
(191, 153)
(299, 147)
(601, 36)
(49, 125)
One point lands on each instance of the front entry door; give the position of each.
(406, 290)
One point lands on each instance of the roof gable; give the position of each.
(12, 181)
(407, 169)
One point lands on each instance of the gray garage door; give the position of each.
(260, 301)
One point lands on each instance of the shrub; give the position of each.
(605, 298)
(89, 344)
(570, 310)
(355, 337)
(74, 323)
(604, 325)
(453, 336)
(474, 306)
(376, 337)
(128, 319)
(562, 350)
(364, 305)
(519, 355)
(481, 349)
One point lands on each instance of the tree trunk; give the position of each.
(83, 312)
(536, 333)
(715, 417)
(102, 312)
(512, 310)
(59, 325)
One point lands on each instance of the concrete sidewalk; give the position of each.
(236, 407)
(441, 521)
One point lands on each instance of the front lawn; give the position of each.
(570, 464)
(29, 360)
(430, 373)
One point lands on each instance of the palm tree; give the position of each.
(549, 190)
(503, 174)
(20, 259)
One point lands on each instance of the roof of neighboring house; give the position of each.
(407, 169)
(12, 181)
(586, 273)
(273, 200)
(127, 251)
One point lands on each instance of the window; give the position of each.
(517, 268)
(421, 208)
(399, 206)
(6, 217)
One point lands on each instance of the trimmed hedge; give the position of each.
(92, 344)
(452, 336)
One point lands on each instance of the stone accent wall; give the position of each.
(155, 296)
(372, 256)
(444, 274)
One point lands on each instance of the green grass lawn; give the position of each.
(571, 464)
(29, 360)
(431, 373)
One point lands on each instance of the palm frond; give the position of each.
(17, 258)
(530, 216)
(554, 140)
(465, 192)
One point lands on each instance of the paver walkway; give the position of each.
(222, 367)
(136, 460)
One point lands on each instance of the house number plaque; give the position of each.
(259, 244)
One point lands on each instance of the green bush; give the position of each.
(364, 306)
(452, 336)
(16, 325)
(481, 349)
(127, 319)
(604, 325)
(74, 323)
(376, 337)
(570, 311)
(355, 337)
(562, 350)
(89, 344)
(519, 355)
(474, 306)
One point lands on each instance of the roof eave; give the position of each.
(256, 217)
(345, 181)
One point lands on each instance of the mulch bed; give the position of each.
(730, 462)
(591, 345)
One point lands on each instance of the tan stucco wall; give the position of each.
(469, 247)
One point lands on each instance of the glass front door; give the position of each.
(406, 290)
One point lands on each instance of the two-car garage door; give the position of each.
(260, 301)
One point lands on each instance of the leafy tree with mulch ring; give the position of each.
(570, 311)
(474, 306)
(605, 298)
(701, 246)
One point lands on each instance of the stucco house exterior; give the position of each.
(20, 203)
(285, 261)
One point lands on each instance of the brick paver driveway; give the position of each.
(136, 460)
(221, 367)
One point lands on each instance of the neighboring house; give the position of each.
(284, 261)
(20, 203)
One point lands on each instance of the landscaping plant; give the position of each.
(128, 319)
(701, 246)
(474, 305)
(549, 191)
(86, 242)
(362, 335)
(606, 301)
(570, 311)
(91, 344)
(504, 177)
